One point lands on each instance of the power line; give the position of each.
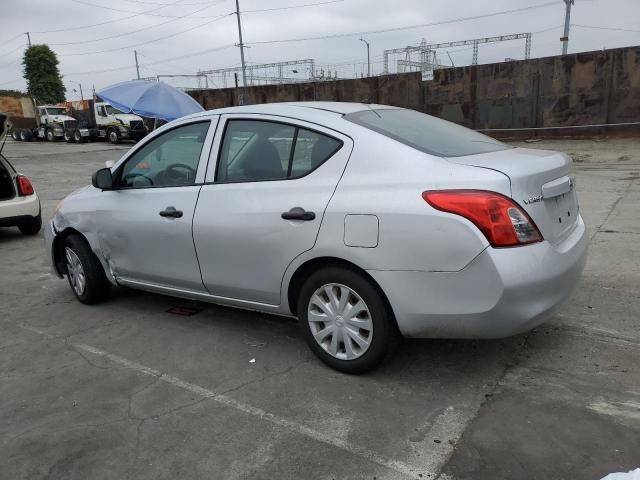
(125, 67)
(395, 29)
(12, 38)
(14, 50)
(134, 31)
(292, 6)
(182, 4)
(136, 14)
(83, 2)
(606, 28)
(149, 41)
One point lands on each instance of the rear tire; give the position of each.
(354, 311)
(25, 135)
(31, 227)
(15, 134)
(84, 271)
(68, 137)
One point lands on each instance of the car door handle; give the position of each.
(299, 213)
(171, 212)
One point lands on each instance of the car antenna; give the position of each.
(367, 102)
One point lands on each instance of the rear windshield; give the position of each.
(426, 133)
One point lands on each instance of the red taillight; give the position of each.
(499, 218)
(24, 186)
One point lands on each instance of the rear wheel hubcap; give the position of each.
(340, 321)
(75, 270)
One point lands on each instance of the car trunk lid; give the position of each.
(540, 183)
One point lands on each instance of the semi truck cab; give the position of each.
(115, 125)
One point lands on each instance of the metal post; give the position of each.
(28, 37)
(368, 57)
(241, 45)
(235, 76)
(527, 47)
(475, 53)
(135, 54)
(567, 24)
(81, 94)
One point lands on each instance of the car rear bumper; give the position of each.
(18, 209)
(502, 292)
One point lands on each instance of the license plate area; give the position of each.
(563, 213)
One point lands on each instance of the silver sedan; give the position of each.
(366, 222)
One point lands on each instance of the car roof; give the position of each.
(311, 111)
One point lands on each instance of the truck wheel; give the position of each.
(25, 135)
(68, 137)
(50, 136)
(15, 134)
(114, 136)
(77, 136)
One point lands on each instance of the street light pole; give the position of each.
(567, 25)
(368, 57)
(241, 45)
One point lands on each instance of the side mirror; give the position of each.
(102, 179)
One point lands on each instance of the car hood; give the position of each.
(127, 117)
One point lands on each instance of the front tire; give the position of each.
(31, 227)
(114, 136)
(50, 136)
(77, 136)
(345, 320)
(84, 271)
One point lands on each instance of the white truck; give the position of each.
(105, 122)
(52, 123)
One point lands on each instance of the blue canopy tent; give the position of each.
(151, 99)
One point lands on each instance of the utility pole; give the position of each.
(28, 37)
(368, 57)
(241, 45)
(80, 85)
(135, 54)
(567, 24)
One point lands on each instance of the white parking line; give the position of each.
(395, 465)
(426, 461)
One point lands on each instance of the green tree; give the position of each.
(44, 82)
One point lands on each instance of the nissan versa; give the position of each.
(367, 222)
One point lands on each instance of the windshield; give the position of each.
(111, 111)
(56, 111)
(426, 133)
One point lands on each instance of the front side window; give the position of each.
(426, 133)
(110, 110)
(255, 150)
(169, 160)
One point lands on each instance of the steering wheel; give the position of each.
(172, 173)
(129, 179)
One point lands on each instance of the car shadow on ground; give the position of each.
(413, 357)
(11, 234)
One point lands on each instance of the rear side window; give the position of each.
(257, 150)
(426, 133)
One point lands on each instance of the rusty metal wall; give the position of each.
(577, 89)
